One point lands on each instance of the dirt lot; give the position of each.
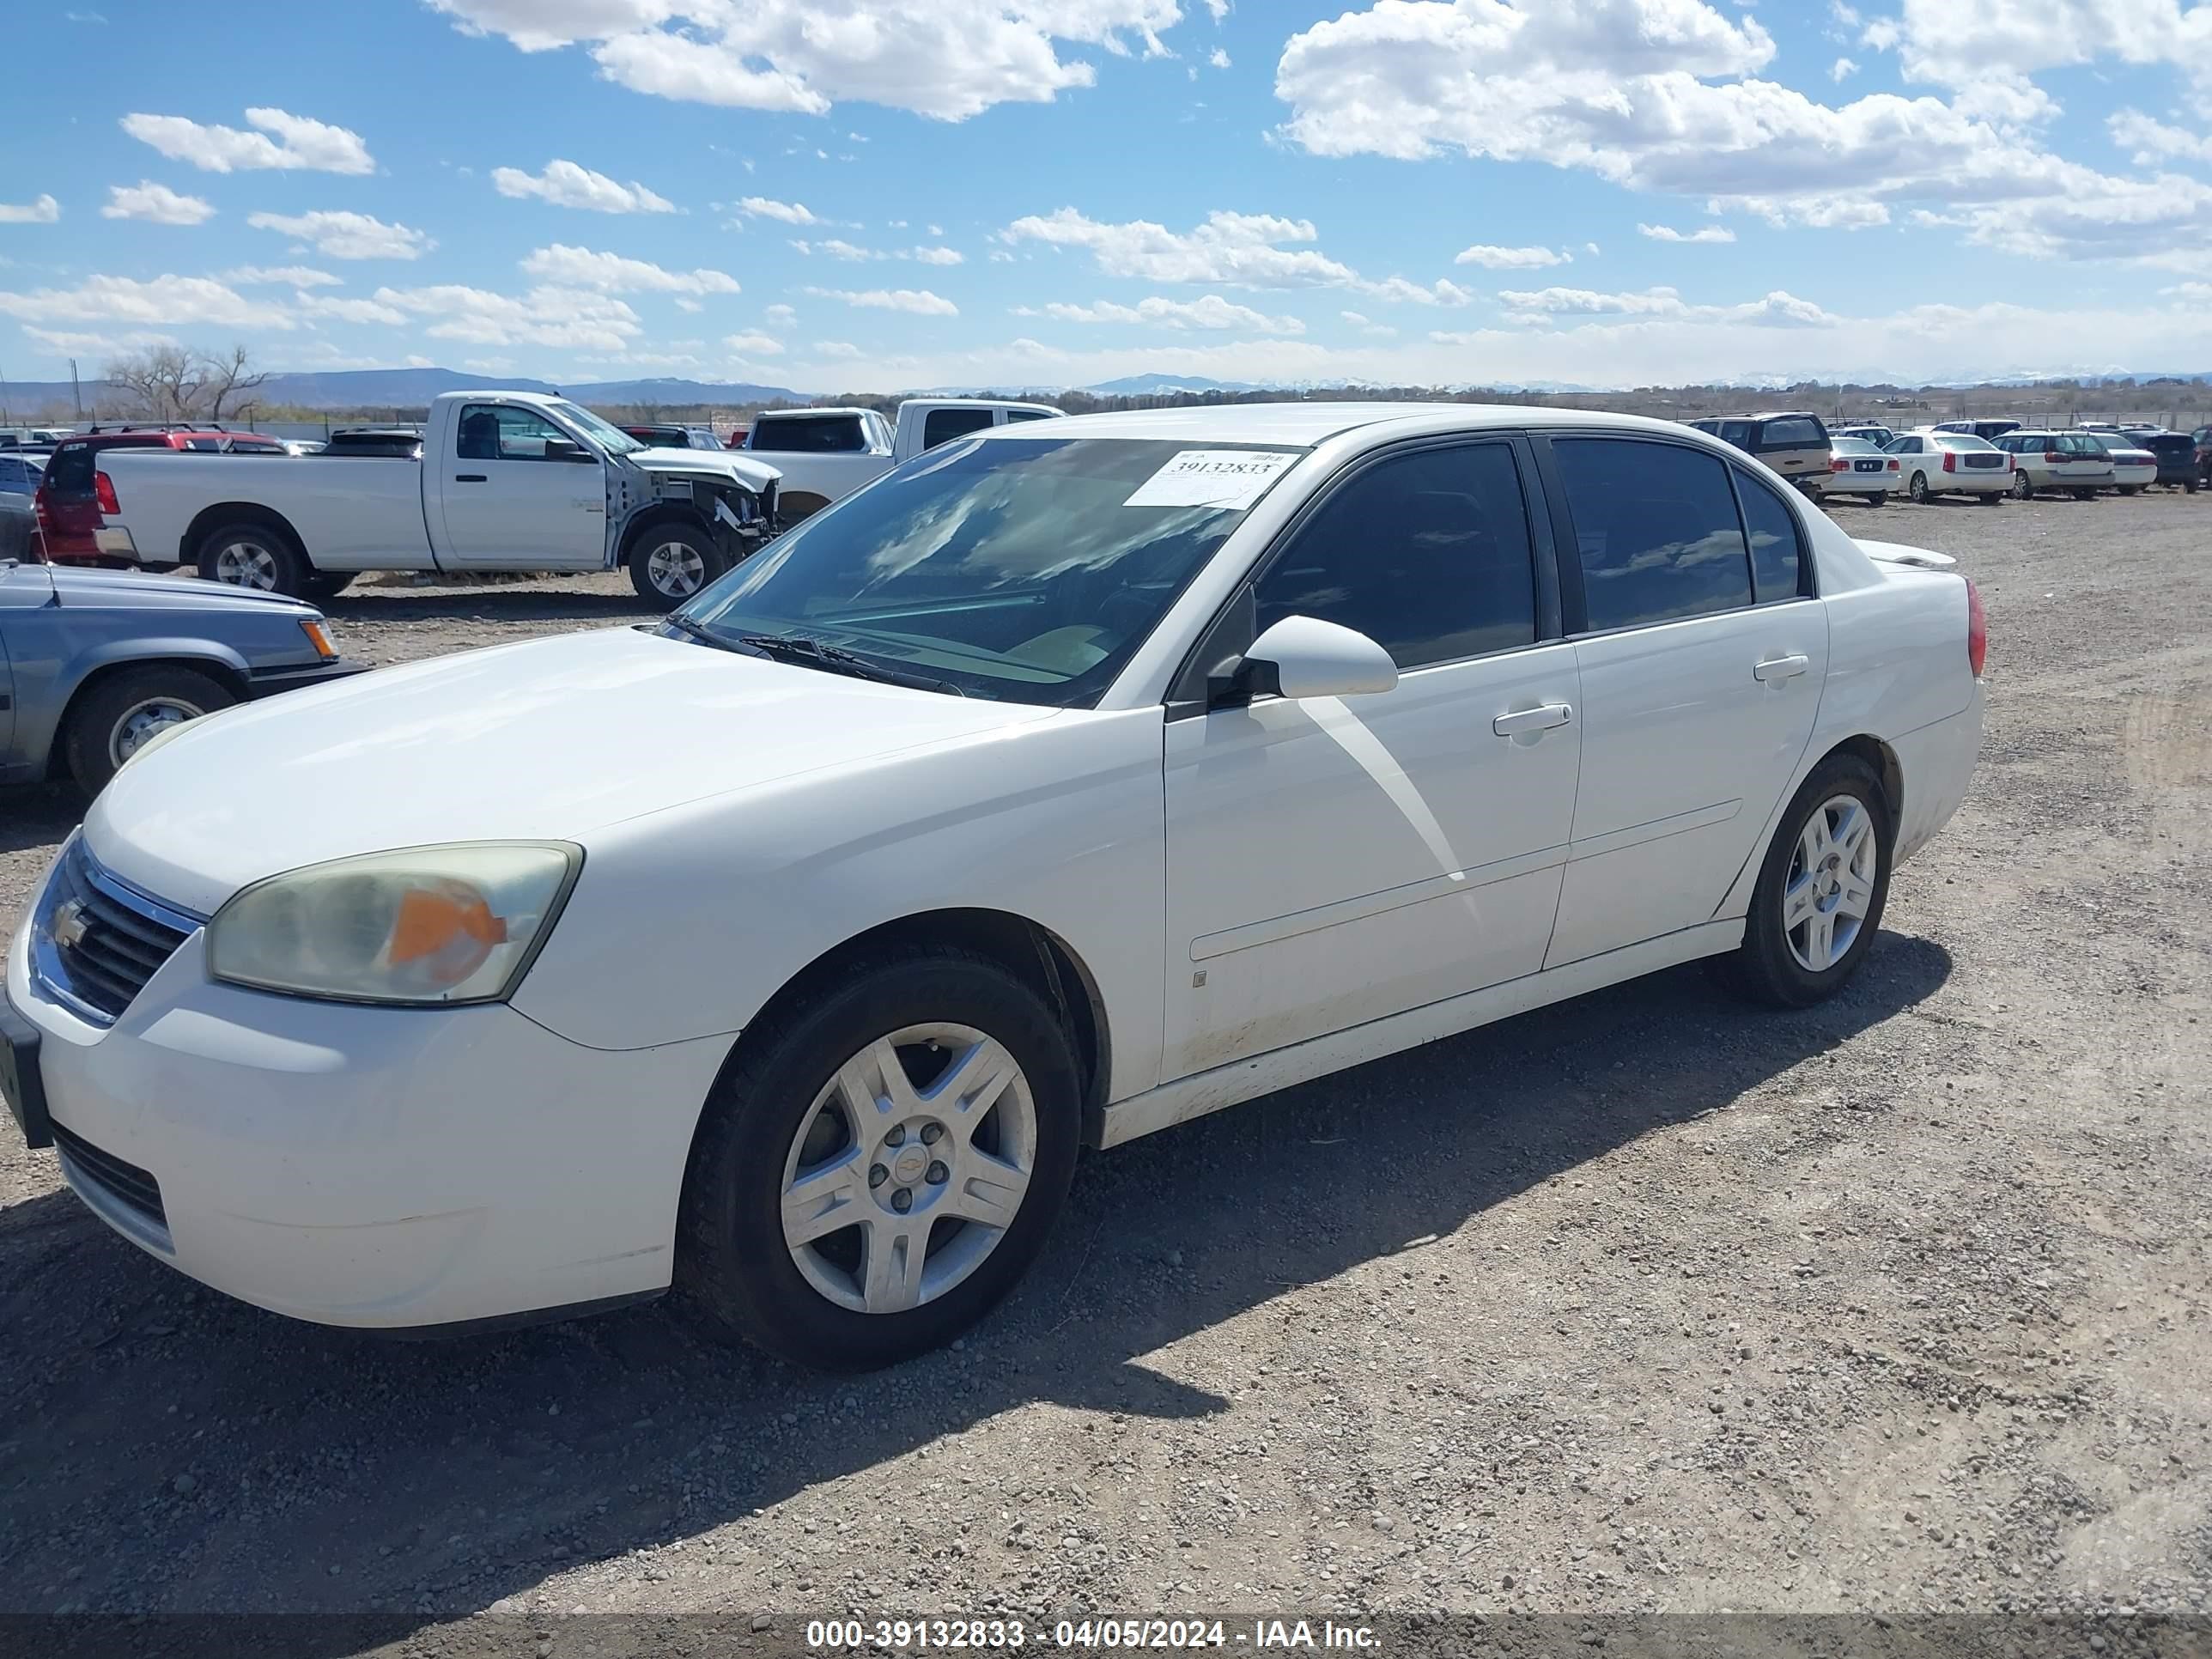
(1643, 1303)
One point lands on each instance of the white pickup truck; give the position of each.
(825, 454)
(507, 481)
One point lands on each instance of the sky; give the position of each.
(873, 194)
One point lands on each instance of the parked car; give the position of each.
(1859, 468)
(507, 481)
(825, 454)
(1933, 462)
(1058, 788)
(738, 434)
(2072, 461)
(20, 471)
(95, 663)
(70, 502)
(2201, 437)
(305, 446)
(1987, 431)
(1794, 443)
(2176, 455)
(2135, 469)
(675, 437)
(1878, 436)
(402, 443)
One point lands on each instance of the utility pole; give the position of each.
(76, 395)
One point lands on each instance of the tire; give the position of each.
(2190, 486)
(2023, 487)
(1918, 489)
(1877, 498)
(1770, 966)
(329, 583)
(779, 1110)
(255, 557)
(670, 563)
(2085, 495)
(2131, 489)
(1993, 498)
(107, 723)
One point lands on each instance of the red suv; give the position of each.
(74, 492)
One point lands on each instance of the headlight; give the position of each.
(426, 925)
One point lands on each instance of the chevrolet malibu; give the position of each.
(1073, 781)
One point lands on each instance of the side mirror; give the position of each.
(1306, 656)
(562, 449)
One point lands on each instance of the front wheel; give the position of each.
(2131, 489)
(2022, 488)
(2190, 486)
(671, 563)
(1820, 892)
(2085, 495)
(1919, 489)
(108, 723)
(255, 557)
(879, 1164)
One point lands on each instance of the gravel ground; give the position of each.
(1644, 1303)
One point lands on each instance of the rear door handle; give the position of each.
(469, 477)
(1777, 668)
(1523, 721)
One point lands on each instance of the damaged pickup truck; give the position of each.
(508, 481)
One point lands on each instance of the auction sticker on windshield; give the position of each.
(1212, 477)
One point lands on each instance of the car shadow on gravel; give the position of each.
(493, 604)
(37, 815)
(168, 1449)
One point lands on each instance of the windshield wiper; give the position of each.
(799, 648)
(707, 636)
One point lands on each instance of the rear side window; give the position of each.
(1797, 432)
(16, 478)
(1656, 531)
(1013, 415)
(1737, 432)
(1427, 554)
(1777, 544)
(828, 435)
(942, 426)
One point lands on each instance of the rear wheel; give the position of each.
(1992, 498)
(2023, 488)
(1877, 498)
(671, 563)
(1918, 488)
(107, 723)
(255, 557)
(1821, 890)
(2085, 495)
(882, 1162)
(329, 583)
(2131, 489)
(2190, 486)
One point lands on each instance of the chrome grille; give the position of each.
(96, 940)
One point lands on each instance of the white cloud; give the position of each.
(1246, 250)
(563, 266)
(754, 344)
(283, 141)
(763, 207)
(1218, 58)
(1398, 289)
(1777, 310)
(1509, 258)
(157, 202)
(42, 211)
(564, 184)
(780, 316)
(837, 349)
(573, 319)
(1210, 310)
(937, 256)
(2153, 142)
(1367, 326)
(1957, 45)
(920, 301)
(1703, 234)
(348, 311)
(66, 342)
(838, 248)
(165, 299)
(344, 235)
(285, 276)
(948, 62)
(1841, 71)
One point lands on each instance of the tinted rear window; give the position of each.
(1657, 528)
(942, 425)
(819, 435)
(1798, 432)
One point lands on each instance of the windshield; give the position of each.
(612, 439)
(1853, 447)
(1024, 569)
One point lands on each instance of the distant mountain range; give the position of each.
(371, 389)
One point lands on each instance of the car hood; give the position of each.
(118, 587)
(717, 462)
(547, 740)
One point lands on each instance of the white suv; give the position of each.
(2057, 460)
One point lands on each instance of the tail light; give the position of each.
(1950, 460)
(104, 487)
(2052, 457)
(1893, 464)
(1839, 463)
(1977, 630)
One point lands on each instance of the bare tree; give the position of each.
(231, 375)
(168, 381)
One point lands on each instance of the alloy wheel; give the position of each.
(676, 569)
(1830, 887)
(909, 1168)
(247, 564)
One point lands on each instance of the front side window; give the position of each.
(507, 432)
(1427, 553)
(1029, 570)
(942, 426)
(1656, 531)
(1778, 546)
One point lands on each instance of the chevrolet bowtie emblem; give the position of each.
(69, 926)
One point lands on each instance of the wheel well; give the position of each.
(231, 680)
(1883, 759)
(800, 504)
(662, 512)
(223, 513)
(1035, 955)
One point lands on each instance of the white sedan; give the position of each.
(1073, 781)
(1935, 463)
(2134, 469)
(1858, 467)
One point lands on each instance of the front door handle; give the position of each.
(1775, 670)
(470, 477)
(1526, 722)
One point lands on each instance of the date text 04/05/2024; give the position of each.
(1088, 1634)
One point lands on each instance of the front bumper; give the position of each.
(382, 1168)
(269, 682)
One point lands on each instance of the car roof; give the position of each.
(1305, 424)
(779, 414)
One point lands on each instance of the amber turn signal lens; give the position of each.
(320, 637)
